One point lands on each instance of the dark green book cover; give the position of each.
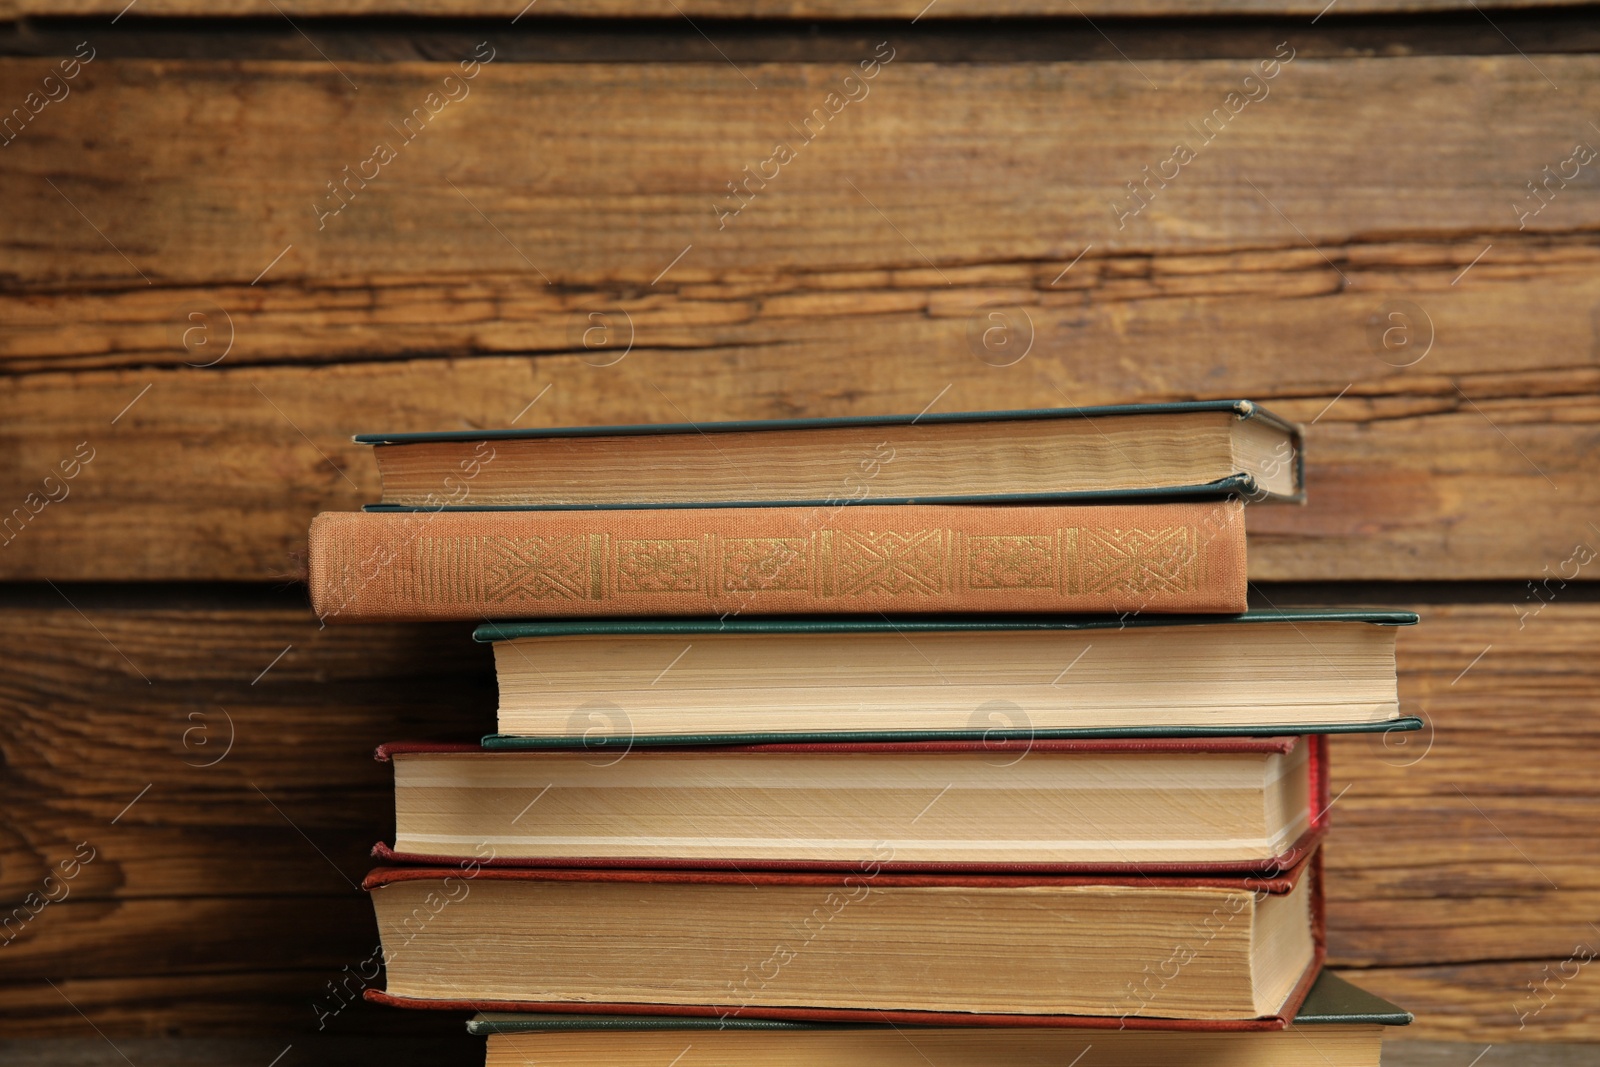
(1239, 483)
(1244, 409)
(789, 624)
(506, 631)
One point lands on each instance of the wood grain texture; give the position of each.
(1147, 318)
(1494, 1002)
(432, 1050)
(238, 872)
(211, 1005)
(735, 9)
(193, 936)
(1402, 1050)
(214, 168)
(217, 819)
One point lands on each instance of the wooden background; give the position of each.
(170, 303)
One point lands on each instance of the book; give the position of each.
(1338, 1025)
(634, 682)
(1177, 557)
(1218, 805)
(1053, 454)
(875, 946)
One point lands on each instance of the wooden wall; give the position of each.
(180, 305)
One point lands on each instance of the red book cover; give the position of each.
(1276, 884)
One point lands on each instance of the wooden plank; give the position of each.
(1449, 846)
(288, 1003)
(187, 843)
(206, 178)
(456, 1050)
(241, 767)
(1400, 1050)
(733, 9)
(193, 936)
(1147, 318)
(1492, 1002)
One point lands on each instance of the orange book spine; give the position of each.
(864, 559)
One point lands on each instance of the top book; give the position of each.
(1145, 451)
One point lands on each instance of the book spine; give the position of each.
(1125, 559)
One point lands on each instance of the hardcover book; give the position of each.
(1338, 1025)
(637, 682)
(1152, 806)
(1181, 557)
(1187, 449)
(1116, 952)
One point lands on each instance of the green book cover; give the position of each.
(1241, 483)
(507, 631)
(1244, 409)
(745, 624)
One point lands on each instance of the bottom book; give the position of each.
(1339, 1025)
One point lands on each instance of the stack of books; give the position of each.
(946, 738)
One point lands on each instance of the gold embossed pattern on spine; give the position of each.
(1157, 558)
